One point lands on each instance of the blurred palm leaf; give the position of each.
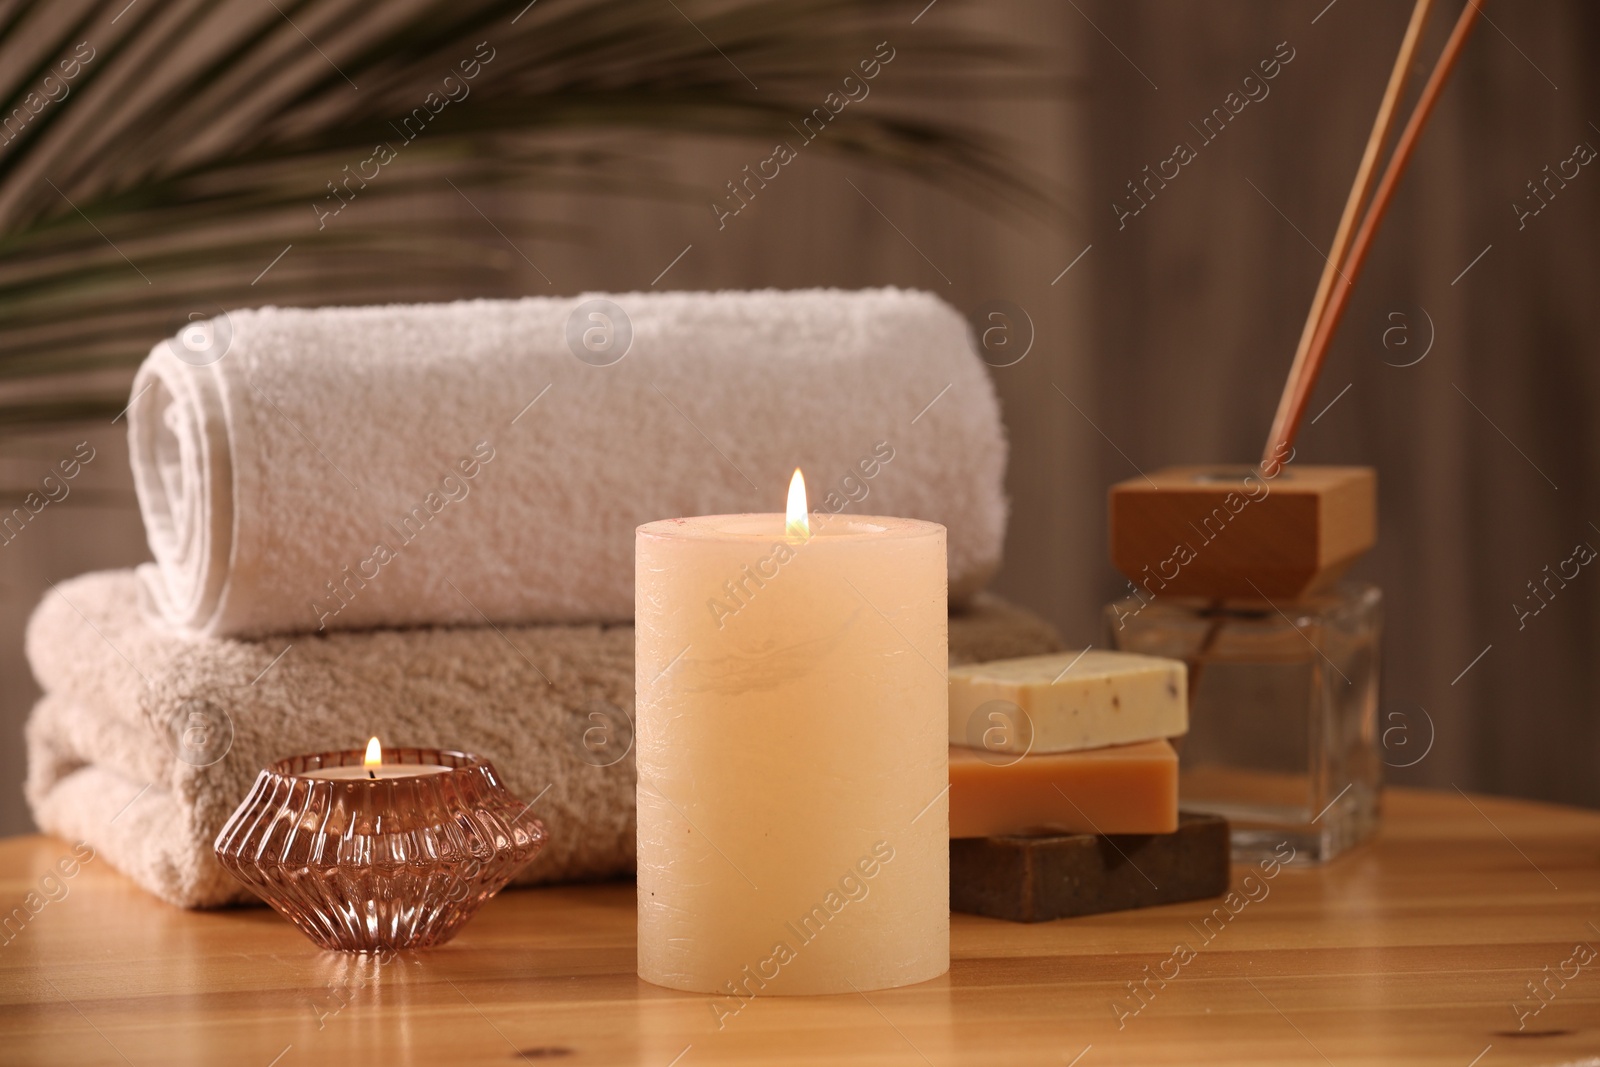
(187, 152)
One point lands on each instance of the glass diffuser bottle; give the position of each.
(1282, 712)
(1238, 574)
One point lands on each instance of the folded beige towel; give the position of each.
(119, 749)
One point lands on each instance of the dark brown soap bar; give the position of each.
(1035, 879)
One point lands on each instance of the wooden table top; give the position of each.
(1414, 949)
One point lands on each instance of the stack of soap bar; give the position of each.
(1035, 879)
(1070, 744)
(1125, 789)
(1073, 742)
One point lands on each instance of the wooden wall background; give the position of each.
(1486, 450)
(1171, 335)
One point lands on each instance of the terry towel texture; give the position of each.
(119, 689)
(345, 468)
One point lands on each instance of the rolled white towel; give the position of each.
(344, 468)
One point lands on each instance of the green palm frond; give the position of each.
(193, 137)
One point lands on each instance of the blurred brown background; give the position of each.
(1171, 333)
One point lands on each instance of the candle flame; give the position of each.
(798, 524)
(374, 756)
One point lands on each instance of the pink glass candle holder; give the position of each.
(364, 863)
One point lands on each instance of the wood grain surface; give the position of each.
(1415, 949)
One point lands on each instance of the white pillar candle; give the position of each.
(791, 742)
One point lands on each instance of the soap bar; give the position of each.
(1126, 789)
(1035, 879)
(1068, 701)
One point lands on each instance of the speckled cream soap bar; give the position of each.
(1069, 701)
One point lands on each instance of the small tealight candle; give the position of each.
(374, 769)
(367, 856)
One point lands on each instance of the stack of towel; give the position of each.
(417, 522)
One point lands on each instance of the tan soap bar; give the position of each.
(1127, 789)
(1068, 701)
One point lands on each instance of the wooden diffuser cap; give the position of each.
(1230, 532)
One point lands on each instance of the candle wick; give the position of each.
(372, 773)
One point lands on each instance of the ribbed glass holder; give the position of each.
(364, 865)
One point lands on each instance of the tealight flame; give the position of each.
(374, 756)
(798, 523)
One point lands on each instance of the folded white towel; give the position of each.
(146, 741)
(346, 468)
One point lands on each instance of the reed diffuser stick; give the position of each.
(1352, 212)
(1298, 389)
